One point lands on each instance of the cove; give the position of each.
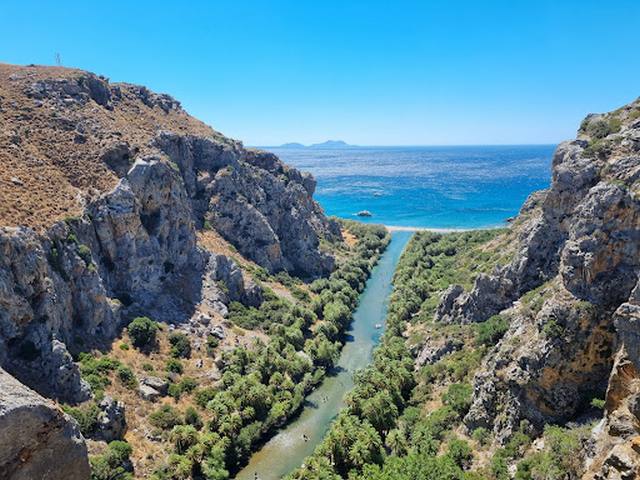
(287, 450)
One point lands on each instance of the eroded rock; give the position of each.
(37, 440)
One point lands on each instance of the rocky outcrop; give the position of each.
(434, 349)
(37, 440)
(546, 368)
(112, 422)
(255, 201)
(569, 294)
(73, 287)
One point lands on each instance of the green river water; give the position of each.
(287, 450)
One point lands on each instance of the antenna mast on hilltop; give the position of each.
(58, 60)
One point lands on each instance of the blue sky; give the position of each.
(368, 72)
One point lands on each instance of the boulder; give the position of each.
(37, 440)
(112, 423)
(158, 384)
(148, 393)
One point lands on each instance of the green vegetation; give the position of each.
(165, 418)
(113, 464)
(86, 415)
(263, 385)
(491, 331)
(180, 345)
(127, 377)
(560, 458)
(95, 371)
(434, 261)
(386, 433)
(142, 331)
(174, 366)
(383, 433)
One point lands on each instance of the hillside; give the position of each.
(512, 353)
(116, 204)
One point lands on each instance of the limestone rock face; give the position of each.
(255, 201)
(569, 294)
(435, 349)
(100, 225)
(37, 440)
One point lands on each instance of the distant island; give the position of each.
(328, 144)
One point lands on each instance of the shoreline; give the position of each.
(397, 228)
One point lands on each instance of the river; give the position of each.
(287, 450)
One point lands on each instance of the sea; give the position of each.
(452, 187)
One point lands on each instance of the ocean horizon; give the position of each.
(440, 187)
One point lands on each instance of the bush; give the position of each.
(175, 366)
(95, 371)
(180, 345)
(552, 329)
(458, 397)
(142, 331)
(165, 418)
(86, 415)
(113, 464)
(460, 452)
(126, 376)
(192, 417)
(212, 344)
(491, 331)
(481, 435)
(84, 252)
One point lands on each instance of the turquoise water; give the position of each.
(440, 187)
(287, 450)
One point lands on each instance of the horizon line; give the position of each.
(348, 146)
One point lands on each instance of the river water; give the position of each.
(287, 450)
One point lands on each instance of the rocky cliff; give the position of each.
(571, 295)
(104, 189)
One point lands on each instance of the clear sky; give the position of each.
(367, 72)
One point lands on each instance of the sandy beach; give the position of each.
(393, 228)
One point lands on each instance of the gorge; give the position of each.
(174, 305)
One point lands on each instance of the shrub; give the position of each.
(491, 331)
(86, 415)
(481, 435)
(458, 397)
(174, 391)
(95, 371)
(165, 417)
(126, 376)
(598, 403)
(84, 253)
(142, 331)
(174, 365)
(180, 345)
(212, 344)
(192, 417)
(188, 384)
(112, 464)
(460, 452)
(552, 329)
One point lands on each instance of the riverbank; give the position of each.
(287, 450)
